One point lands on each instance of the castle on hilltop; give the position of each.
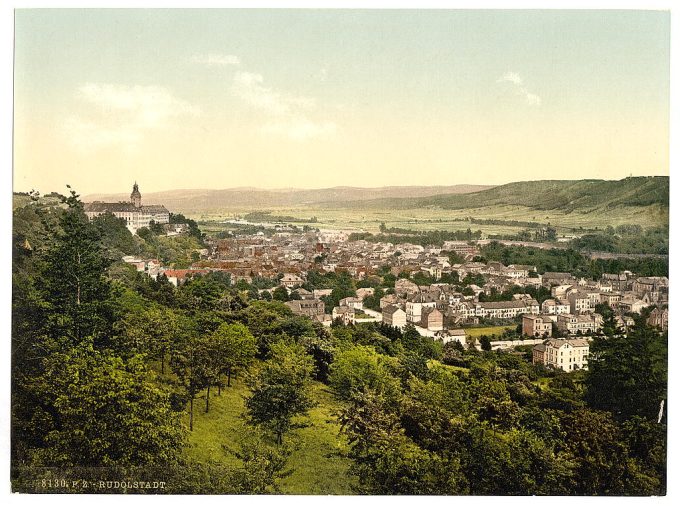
(136, 215)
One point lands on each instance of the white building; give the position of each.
(584, 322)
(554, 306)
(565, 354)
(136, 215)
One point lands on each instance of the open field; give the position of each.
(318, 463)
(492, 332)
(369, 220)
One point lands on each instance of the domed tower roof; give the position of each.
(135, 196)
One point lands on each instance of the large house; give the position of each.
(291, 280)
(432, 319)
(394, 316)
(555, 306)
(565, 354)
(533, 325)
(309, 307)
(416, 303)
(572, 324)
(506, 309)
(136, 215)
(658, 318)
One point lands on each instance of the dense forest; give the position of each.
(114, 376)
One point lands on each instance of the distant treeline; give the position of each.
(422, 238)
(268, 217)
(626, 239)
(570, 260)
(508, 223)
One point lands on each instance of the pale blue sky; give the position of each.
(271, 98)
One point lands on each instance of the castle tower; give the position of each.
(135, 196)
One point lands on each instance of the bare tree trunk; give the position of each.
(207, 399)
(229, 377)
(191, 413)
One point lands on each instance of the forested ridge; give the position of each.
(113, 374)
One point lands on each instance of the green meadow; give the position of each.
(318, 463)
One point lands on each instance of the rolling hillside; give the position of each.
(564, 196)
(192, 201)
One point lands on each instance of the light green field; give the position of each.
(369, 220)
(318, 462)
(489, 331)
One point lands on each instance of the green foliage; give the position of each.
(570, 260)
(281, 389)
(423, 238)
(194, 231)
(360, 369)
(628, 375)
(566, 196)
(99, 410)
(116, 239)
(234, 348)
(280, 293)
(73, 282)
(263, 466)
(600, 457)
(626, 239)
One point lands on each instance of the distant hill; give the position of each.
(194, 201)
(566, 196)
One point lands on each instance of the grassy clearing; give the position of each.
(221, 426)
(318, 463)
(489, 331)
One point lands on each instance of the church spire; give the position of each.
(135, 196)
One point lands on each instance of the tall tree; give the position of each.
(235, 348)
(189, 362)
(629, 375)
(281, 390)
(74, 284)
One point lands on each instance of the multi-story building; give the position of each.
(579, 303)
(394, 316)
(416, 303)
(309, 307)
(432, 319)
(658, 318)
(536, 326)
(554, 306)
(291, 280)
(460, 247)
(345, 313)
(507, 309)
(565, 354)
(134, 214)
(572, 324)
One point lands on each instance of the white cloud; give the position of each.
(248, 87)
(116, 115)
(300, 128)
(511, 77)
(288, 115)
(323, 74)
(532, 99)
(216, 60)
(518, 85)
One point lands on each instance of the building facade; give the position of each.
(136, 215)
(565, 354)
(536, 326)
